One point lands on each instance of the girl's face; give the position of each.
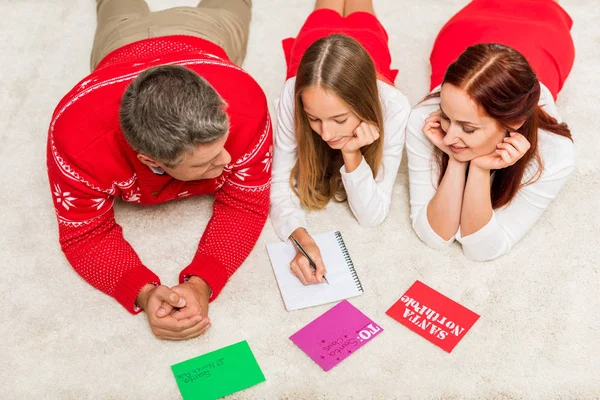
(329, 116)
(470, 133)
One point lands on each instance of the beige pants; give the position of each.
(223, 22)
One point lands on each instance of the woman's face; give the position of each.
(329, 116)
(470, 133)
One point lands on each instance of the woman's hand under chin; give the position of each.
(433, 130)
(364, 135)
(507, 153)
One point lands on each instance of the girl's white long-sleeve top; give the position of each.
(509, 223)
(369, 198)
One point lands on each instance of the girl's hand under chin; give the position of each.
(507, 153)
(364, 135)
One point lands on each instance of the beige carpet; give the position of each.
(538, 335)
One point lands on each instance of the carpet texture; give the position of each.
(62, 339)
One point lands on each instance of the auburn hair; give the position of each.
(339, 64)
(501, 81)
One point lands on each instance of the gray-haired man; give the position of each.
(164, 115)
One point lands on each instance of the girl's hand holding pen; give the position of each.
(300, 265)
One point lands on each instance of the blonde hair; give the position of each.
(339, 64)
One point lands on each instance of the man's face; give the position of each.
(207, 161)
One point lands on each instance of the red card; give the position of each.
(432, 315)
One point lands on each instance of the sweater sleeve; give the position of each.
(240, 211)
(286, 212)
(422, 174)
(369, 197)
(90, 238)
(510, 223)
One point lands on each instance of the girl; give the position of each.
(487, 150)
(340, 125)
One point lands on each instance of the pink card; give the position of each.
(336, 334)
(432, 315)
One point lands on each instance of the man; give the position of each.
(163, 115)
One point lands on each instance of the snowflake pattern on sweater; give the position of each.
(90, 164)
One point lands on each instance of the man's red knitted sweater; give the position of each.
(90, 164)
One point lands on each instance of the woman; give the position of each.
(340, 125)
(487, 150)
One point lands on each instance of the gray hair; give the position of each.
(169, 110)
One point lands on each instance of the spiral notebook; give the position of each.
(342, 277)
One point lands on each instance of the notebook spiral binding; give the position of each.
(338, 237)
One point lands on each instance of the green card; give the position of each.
(218, 373)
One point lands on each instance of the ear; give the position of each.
(515, 127)
(144, 159)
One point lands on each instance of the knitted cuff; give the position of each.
(131, 283)
(211, 270)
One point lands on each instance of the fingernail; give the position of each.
(161, 312)
(181, 302)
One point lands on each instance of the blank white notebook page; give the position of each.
(343, 281)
